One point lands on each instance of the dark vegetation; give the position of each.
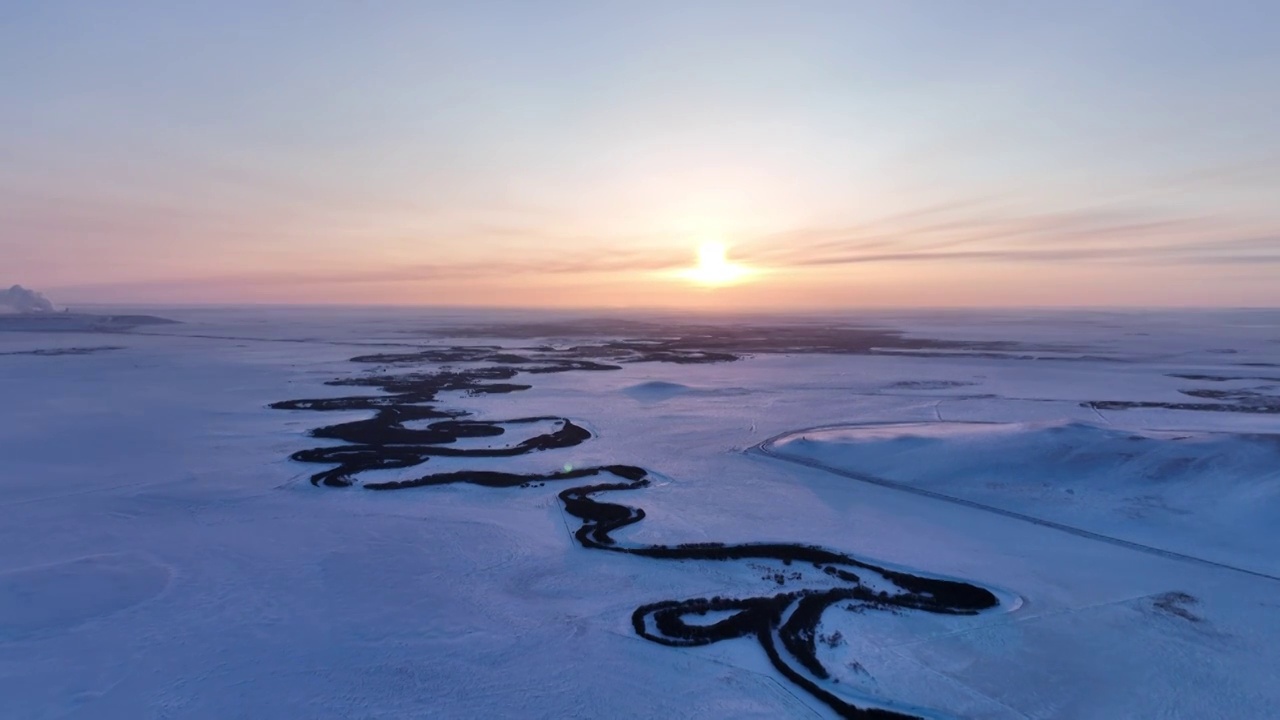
(1270, 407)
(1256, 400)
(785, 623)
(675, 341)
(1177, 604)
(1224, 378)
(65, 351)
(929, 384)
(75, 322)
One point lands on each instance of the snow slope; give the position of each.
(1209, 494)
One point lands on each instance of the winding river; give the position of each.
(408, 428)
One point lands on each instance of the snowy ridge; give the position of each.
(1199, 496)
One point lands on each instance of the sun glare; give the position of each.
(714, 267)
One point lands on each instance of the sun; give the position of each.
(714, 268)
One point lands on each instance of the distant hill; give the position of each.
(75, 322)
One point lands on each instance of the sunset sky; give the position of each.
(578, 154)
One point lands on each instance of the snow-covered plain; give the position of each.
(161, 556)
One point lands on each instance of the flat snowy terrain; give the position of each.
(1019, 516)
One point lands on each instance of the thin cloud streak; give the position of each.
(620, 263)
(1240, 251)
(1104, 233)
(1167, 255)
(967, 232)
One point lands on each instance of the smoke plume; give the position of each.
(22, 300)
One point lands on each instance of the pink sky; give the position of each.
(855, 155)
